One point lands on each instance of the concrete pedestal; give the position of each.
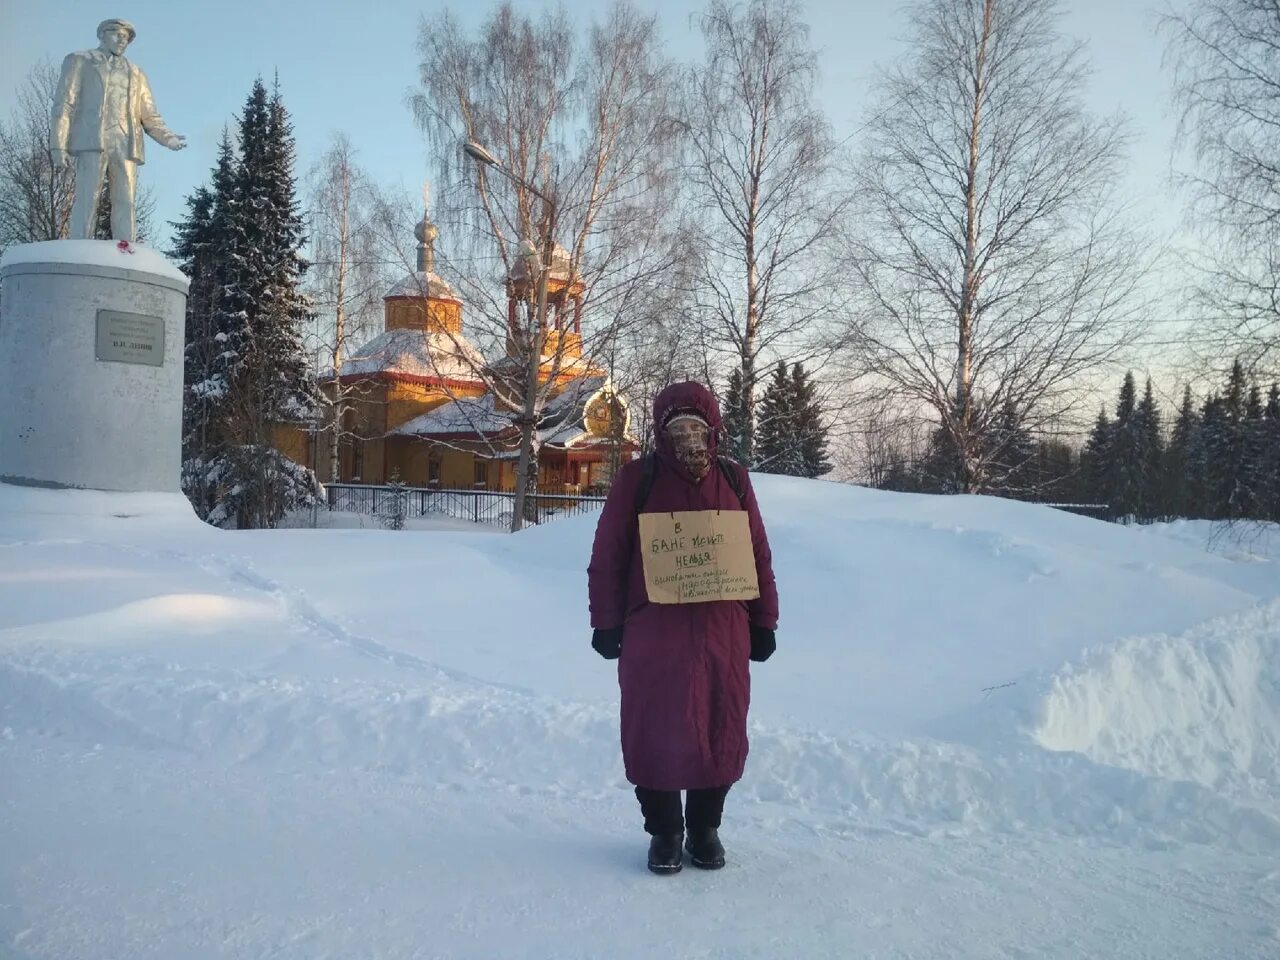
(91, 365)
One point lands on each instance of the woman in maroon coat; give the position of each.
(682, 667)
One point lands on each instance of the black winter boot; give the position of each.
(665, 855)
(705, 849)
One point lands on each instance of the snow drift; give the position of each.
(1202, 706)
(932, 650)
(949, 670)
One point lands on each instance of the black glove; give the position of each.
(607, 643)
(763, 643)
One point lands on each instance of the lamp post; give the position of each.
(527, 419)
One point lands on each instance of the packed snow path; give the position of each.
(991, 730)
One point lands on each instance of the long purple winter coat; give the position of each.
(684, 667)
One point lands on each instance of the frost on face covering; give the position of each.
(691, 441)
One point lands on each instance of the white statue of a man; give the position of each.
(102, 108)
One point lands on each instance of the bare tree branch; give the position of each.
(997, 266)
(1225, 56)
(583, 116)
(758, 162)
(35, 192)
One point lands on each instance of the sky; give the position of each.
(344, 70)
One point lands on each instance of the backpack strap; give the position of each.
(649, 468)
(730, 470)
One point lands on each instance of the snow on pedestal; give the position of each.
(91, 363)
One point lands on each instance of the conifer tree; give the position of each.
(1254, 481)
(1096, 462)
(243, 259)
(736, 422)
(1271, 457)
(1012, 454)
(102, 216)
(191, 248)
(811, 434)
(1124, 456)
(1057, 476)
(1212, 453)
(790, 436)
(200, 247)
(256, 379)
(1150, 444)
(292, 393)
(776, 448)
(939, 470)
(1183, 483)
(1227, 450)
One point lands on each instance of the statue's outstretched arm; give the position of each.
(151, 120)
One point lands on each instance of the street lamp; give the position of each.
(527, 416)
(479, 153)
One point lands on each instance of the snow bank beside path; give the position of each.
(1202, 706)
(898, 611)
(419, 726)
(991, 626)
(938, 657)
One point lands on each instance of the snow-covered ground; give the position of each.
(1244, 540)
(991, 730)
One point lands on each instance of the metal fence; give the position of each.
(478, 506)
(496, 506)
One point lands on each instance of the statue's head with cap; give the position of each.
(115, 34)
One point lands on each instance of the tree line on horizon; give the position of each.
(1216, 460)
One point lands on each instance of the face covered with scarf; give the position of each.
(691, 441)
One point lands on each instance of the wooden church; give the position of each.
(420, 406)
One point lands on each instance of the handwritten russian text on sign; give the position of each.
(695, 556)
(130, 338)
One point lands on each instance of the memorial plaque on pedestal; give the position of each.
(130, 338)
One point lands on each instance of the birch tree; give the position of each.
(658, 345)
(759, 157)
(347, 277)
(582, 116)
(996, 264)
(1225, 56)
(35, 193)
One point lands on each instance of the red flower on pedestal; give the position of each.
(124, 246)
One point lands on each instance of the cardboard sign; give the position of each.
(695, 556)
